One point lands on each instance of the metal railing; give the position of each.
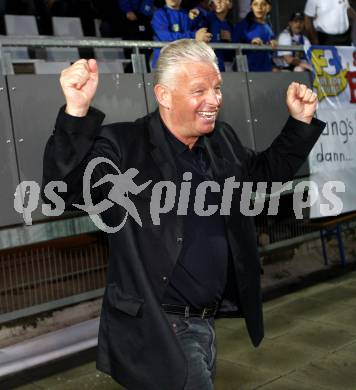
(138, 60)
(44, 41)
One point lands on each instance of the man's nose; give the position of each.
(214, 97)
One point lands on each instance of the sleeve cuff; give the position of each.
(87, 125)
(315, 124)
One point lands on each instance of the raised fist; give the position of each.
(79, 83)
(301, 102)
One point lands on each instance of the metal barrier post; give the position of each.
(5, 62)
(2, 61)
(241, 61)
(138, 61)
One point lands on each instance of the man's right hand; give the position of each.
(79, 83)
(203, 35)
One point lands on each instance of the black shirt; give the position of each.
(199, 276)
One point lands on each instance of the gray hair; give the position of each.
(177, 53)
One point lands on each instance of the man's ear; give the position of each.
(163, 96)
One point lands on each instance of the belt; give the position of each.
(189, 311)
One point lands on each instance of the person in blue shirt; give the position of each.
(255, 30)
(171, 23)
(138, 18)
(202, 13)
(221, 30)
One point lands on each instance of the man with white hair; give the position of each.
(166, 281)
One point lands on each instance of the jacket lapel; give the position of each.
(163, 158)
(160, 151)
(218, 163)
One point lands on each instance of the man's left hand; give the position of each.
(301, 102)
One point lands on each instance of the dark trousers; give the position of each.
(196, 336)
(335, 40)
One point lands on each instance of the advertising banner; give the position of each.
(334, 156)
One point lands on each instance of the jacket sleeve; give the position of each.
(281, 161)
(161, 28)
(74, 142)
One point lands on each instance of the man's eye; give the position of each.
(198, 91)
(218, 88)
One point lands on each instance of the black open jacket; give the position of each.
(136, 346)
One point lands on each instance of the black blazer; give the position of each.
(136, 345)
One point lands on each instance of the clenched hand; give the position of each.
(79, 83)
(301, 102)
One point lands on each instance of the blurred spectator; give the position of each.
(171, 22)
(221, 30)
(137, 24)
(112, 19)
(327, 22)
(255, 30)
(244, 8)
(293, 35)
(268, 16)
(202, 13)
(138, 15)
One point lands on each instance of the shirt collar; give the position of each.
(178, 146)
